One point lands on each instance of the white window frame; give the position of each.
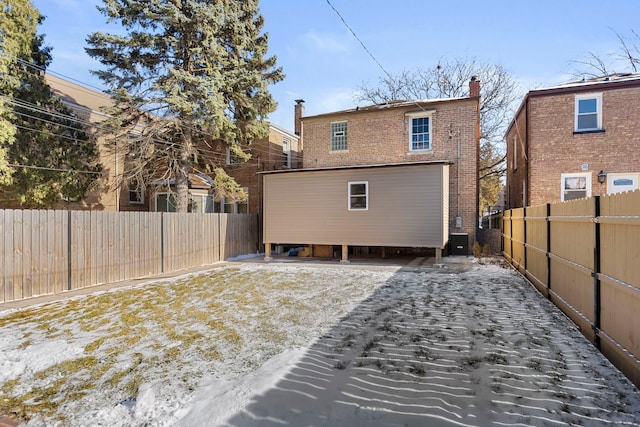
(366, 196)
(341, 145)
(582, 97)
(565, 176)
(140, 192)
(420, 115)
(231, 158)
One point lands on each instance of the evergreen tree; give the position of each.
(52, 154)
(18, 21)
(186, 72)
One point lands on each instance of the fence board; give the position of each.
(593, 266)
(38, 258)
(9, 250)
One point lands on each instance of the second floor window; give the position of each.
(420, 134)
(588, 112)
(286, 153)
(338, 136)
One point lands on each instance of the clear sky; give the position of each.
(538, 41)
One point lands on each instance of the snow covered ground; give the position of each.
(295, 344)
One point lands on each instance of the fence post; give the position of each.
(524, 238)
(549, 251)
(69, 250)
(596, 275)
(162, 242)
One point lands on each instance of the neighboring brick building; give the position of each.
(280, 150)
(575, 140)
(436, 138)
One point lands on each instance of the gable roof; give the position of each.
(422, 104)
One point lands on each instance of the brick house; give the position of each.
(280, 149)
(402, 174)
(575, 140)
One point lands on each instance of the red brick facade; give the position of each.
(381, 135)
(266, 154)
(547, 146)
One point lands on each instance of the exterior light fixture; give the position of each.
(602, 177)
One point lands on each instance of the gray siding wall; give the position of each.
(408, 206)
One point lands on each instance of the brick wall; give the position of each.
(266, 154)
(554, 149)
(381, 135)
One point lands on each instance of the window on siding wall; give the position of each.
(588, 112)
(575, 186)
(338, 136)
(358, 196)
(420, 133)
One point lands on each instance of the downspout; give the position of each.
(458, 173)
(525, 194)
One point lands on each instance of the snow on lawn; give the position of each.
(269, 344)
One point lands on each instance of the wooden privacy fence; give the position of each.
(47, 251)
(584, 255)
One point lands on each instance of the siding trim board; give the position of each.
(385, 165)
(407, 206)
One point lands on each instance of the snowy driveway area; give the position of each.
(254, 344)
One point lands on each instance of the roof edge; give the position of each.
(380, 165)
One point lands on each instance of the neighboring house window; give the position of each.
(232, 159)
(575, 186)
(136, 196)
(202, 203)
(165, 202)
(359, 196)
(286, 153)
(515, 153)
(419, 133)
(231, 206)
(588, 112)
(338, 136)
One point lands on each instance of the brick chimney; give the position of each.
(299, 112)
(474, 87)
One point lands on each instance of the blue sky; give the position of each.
(536, 40)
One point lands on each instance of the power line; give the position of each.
(53, 169)
(55, 114)
(360, 41)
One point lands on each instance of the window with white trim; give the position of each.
(338, 136)
(420, 132)
(575, 186)
(233, 159)
(358, 195)
(588, 112)
(136, 196)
